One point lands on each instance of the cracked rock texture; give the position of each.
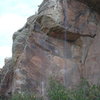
(61, 41)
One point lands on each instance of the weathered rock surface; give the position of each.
(93, 4)
(61, 41)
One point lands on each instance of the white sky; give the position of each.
(13, 15)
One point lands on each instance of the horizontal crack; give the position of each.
(87, 35)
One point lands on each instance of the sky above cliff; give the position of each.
(13, 15)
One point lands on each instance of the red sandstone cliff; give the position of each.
(61, 41)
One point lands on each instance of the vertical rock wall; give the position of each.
(39, 50)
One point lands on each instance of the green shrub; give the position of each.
(84, 91)
(22, 97)
(56, 91)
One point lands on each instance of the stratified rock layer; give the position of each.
(61, 41)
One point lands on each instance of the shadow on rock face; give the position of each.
(93, 4)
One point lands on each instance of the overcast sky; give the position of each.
(13, 15)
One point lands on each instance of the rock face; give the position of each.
(61, 41)
(93, 4)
